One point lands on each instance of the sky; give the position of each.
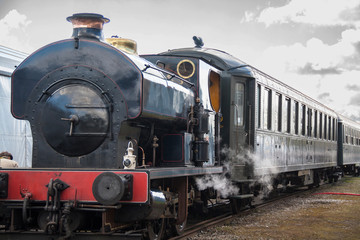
(311, 45)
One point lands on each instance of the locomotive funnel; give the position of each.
(88, 25)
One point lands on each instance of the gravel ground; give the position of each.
(309, 216)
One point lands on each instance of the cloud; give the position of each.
(325, 71)
(248, 17)
(355, 100)
(351, 14)
(310, 69)
(323, 96)
(316, 57)
(13, 30)
(333, 13)
(318, 70)
(353, 87)
(352, 111)
(355, 117)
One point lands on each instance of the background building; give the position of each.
(15, 135)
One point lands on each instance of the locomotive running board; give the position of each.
(243, 196)
(156, 173)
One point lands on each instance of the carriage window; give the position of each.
(259, 105)
(320, 125)
(329, 129)
(303, 120)
(300, 120)
(239, 104)
(309, 122)
(267, 108)
(316, 124)
(295, 117)
(333, 129)
(286, 115)
(325, 128)
(277, 112)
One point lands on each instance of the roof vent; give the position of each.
(88, 25)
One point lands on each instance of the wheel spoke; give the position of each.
(156, 229)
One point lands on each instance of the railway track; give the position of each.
(220, 219)
(190, 230)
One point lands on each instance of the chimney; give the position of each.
(88, 25)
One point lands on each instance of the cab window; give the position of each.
(239, 104)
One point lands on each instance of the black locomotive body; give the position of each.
(114, 135)
(121, 140)
(93, 102)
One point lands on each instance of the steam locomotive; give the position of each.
(122, 143)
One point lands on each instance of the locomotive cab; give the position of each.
(206, 86)
(232, 82)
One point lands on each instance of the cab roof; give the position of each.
(214, 57)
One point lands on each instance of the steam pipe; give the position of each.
(143, 156)
(155, 145)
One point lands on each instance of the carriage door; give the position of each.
(238, 132)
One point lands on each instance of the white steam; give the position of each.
(258, 167)
(219, 182)
(241, 165)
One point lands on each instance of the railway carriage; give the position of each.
(297, 134)
(348, 145)
(267, 128)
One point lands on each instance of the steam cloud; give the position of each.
(219, 182)
(264, 168)
(264, 171)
